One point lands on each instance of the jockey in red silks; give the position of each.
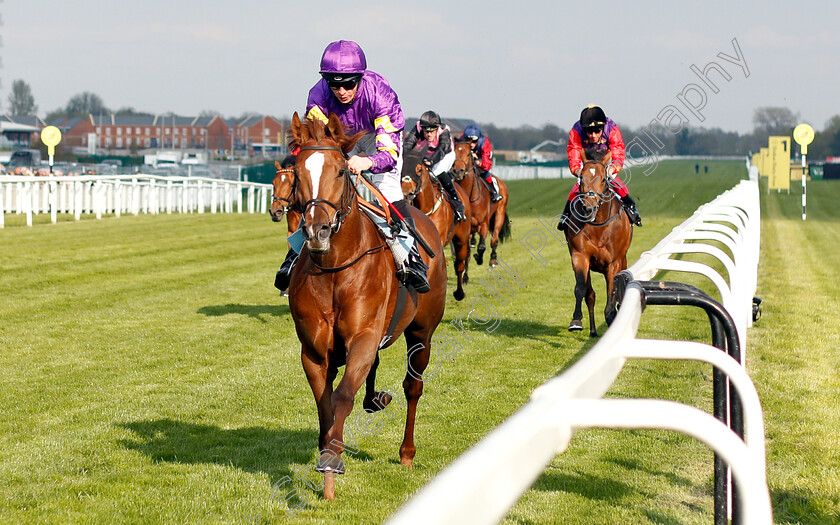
(364, 101)
(595, 131)
(483, 150)
(435, 138)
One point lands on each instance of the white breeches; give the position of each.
(445, 164)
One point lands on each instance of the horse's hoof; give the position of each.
(479, 258)
(593, 333)
(494, 262)
(406, 462)
(459, 295)
(380, 400)
(575, 326)
(466, 278)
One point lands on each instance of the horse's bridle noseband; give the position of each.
(596, 195)
(290, 200)
(342, 209)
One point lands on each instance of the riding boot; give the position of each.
(413, 272)
(457, 206)
(564, 219)
(630, 207)
(281, 280)
(494, 191)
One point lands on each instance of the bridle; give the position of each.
(290, 200)
(598, 196)
(418, 186)
(348, 194)
(475, 189)
(342, 210)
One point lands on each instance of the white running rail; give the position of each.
(129, 194)
(484, 483)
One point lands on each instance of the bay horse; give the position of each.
(429, 197)
(598, 235)
(344, 292)
(487, 216)
(283, 202)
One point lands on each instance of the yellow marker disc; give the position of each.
(51, 136)
(803, 134)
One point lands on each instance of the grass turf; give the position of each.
(152, 374)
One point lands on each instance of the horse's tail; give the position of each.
(505, 232)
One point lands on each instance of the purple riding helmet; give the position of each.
(343, 57)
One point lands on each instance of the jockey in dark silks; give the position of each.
(364, 101)
(483, 151)
(435, 137)
(595, 131)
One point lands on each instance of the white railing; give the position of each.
(130, 194)
(485, 482)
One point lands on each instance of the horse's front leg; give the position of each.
(320, 375)
(590, 304)
(361, 354)
(461, 254)
(581, 267)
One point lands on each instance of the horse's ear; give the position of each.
(418, 169)
(335, 128)
(607, 157)
(583, 155)
(299, 132)
(277, 165)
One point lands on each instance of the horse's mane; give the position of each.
(596, 154)
(410, 160)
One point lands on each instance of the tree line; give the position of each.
(767, 121)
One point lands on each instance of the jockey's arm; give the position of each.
(616, 151)
(573, 151)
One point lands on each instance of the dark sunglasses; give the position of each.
(430, 129)
(346, 84)
(593, 130)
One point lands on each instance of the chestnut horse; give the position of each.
(430, 198)
(344, 292)
(486, 216)
(598, 235)
(283, 198)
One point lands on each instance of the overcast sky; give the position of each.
(506, 62)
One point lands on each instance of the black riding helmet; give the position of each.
(592, 118)
(429, 119)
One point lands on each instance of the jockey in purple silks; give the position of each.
(364, 101)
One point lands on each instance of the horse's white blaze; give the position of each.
(315, 165)
(282, 178)
(592, 171)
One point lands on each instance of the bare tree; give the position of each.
(21, 101)
(83, 103)
(774, 120)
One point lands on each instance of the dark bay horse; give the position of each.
(487, 216)
(344, 292)
(598, 236)
(430, 198)
(283, 202)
